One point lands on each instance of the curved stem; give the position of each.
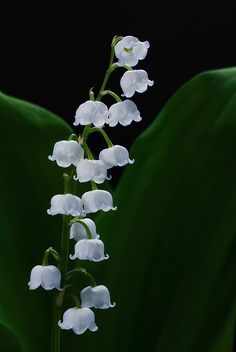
(76, 300)
(103, 133)
(87, 151)
(83, 272)
(114, 95)
(73, 137)
(109, 70)
(88, 232)
(91, 94)
(51, 251)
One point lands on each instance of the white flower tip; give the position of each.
(150, 83)
(114, 208)
(50, 157)
(108, 178)
(106, 256)
(113, 305)
(72, 257)
(59, 323)
(49, 212)
(147, 44)
(95, 328)
(131, 161)
(75, 178)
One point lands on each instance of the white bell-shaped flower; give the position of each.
(135, 81)
(67, 153)
(115, 156)
(79, 320)
(97, 297)
(124, 113)
(130, 50)
(91, 170)
(89, 250)
(66, 204)
(94, 112)
(97, 200)
(78, 231)
(47, 276)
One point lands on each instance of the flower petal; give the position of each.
(97, 297)
(136, 80)
(35, 277)
(68, 319)
(97, 200)
(94, 112)
(115, 156)
(66, 204)
(67, 153)
(91, 170)
(129, 50)
(89, 250)
(51, 277)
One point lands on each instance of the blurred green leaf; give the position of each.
(172, 265)
(172, 244)
(27, 182)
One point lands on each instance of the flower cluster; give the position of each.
(75, 155)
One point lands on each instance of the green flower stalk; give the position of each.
(76, 156)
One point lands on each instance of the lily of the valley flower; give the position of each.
(78, 232)
(97, 200)
(135, 81)
(66, 204)
(115, 156)
(130, 50)
(97, 297)
(91, 170)
(47, 276)
(67, 153)
(124, 113)
(94, 112)
(79, 320)
(89, 250)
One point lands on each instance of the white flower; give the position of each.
(97, 297)
(66, 153)
(66, 204)
(47, 276)
(130, 50)
(78, 232)
(115, 156)
(136, 80)
(123, 112)
(97, 200)
(94, 112)
(78, 319)
(91, 170)
(89, 250)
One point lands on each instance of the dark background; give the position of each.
(52, 54)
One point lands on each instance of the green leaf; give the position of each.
(172, 266)
(171, 242)
(27, 182)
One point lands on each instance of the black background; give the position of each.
(52, 53)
